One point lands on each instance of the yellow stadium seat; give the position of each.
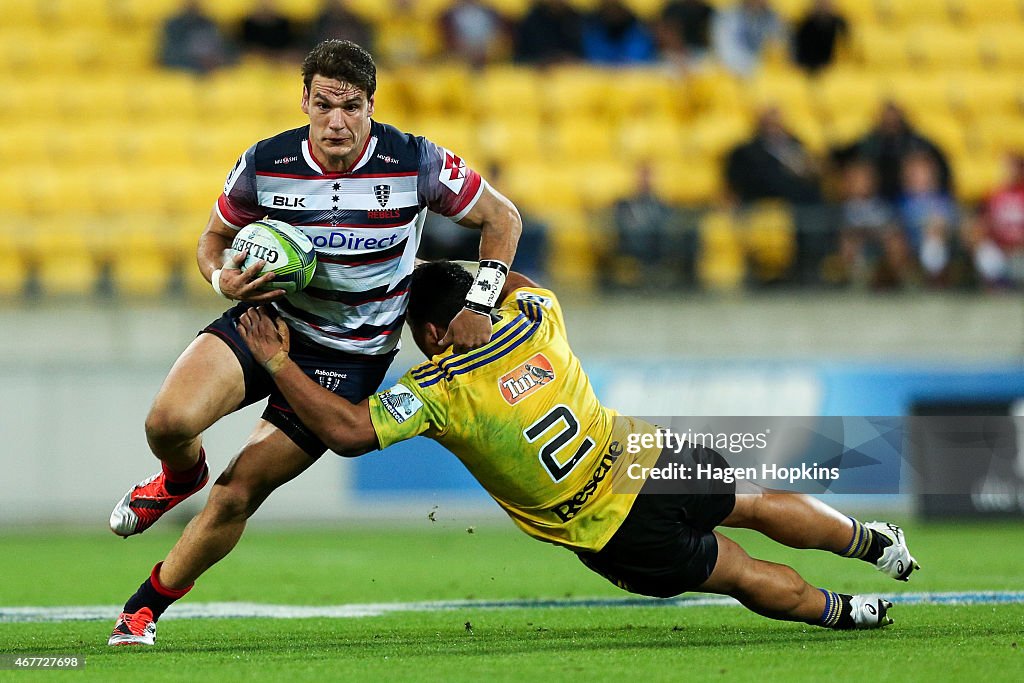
(717, 90)
(646, 93)
(770, 239)
(995, 135)
(858, 12)
(511, 9)
(842, 130)
(843, 92)
(229, 12)
(911, 12)
(540, 187)
(984, 93)
(1002, 45)
(571, 247)
(1006, 12)
(14, 268)
(808, 129)
(577, 91)
(918, 92)
(977, 176)
(601, 184)
(300, 10)
(650, 139)
(788, 90)
(509, 92)
(944, 129)
(693, 182)
(505, 139)
(440, 89)
(880, 48)
(713, 135)
(146, 261)
(942, 46)
(721, 265)
(66, 266)
(579, 138)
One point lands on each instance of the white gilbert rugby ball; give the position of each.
(287, 251)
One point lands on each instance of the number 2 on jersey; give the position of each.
(557, 441)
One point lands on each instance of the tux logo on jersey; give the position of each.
(400, 402)
(382, 193)
(526, 379)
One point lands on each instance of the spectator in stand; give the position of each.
(337, 20)
(612, 34)
(774, 164)
(817, 34)
(192, 41)
(871, 245)
(648, 237)
(473, 32)
(269, 33)
(684, 29)
(888, 145)
(928, 214)
(550, 32)
(741, 33)
(997, 237)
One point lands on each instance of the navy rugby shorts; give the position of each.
(350, 375)
(666, 545)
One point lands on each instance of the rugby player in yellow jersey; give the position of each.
(521, 415)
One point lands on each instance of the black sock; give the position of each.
(865, 544)
(154, 596)
(838, 613)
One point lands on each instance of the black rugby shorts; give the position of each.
(350, 375)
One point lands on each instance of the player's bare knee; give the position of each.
(168, 426)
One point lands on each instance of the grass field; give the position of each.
(426, 561)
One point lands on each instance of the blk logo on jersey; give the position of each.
(453, 172)
(382, 193)
(526, 379)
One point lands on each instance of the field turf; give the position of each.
(425, 561)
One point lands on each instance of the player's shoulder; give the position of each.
(280, 152)
(533, 302)
(425, 375)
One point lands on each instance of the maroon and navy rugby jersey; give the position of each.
(365, 224)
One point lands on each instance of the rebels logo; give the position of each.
(526, 379)
(453, 172)
(382, 193)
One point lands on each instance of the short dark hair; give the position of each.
(437, 292)
(341, 60)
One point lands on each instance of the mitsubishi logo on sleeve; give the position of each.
(382, 193)
(453, 172)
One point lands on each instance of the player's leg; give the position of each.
(779, 592)
(206, 383)
(802, 521)
(268, 460)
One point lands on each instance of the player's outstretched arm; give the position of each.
(345, 428)
(500, 226)
(232, 281)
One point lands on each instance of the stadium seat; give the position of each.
(942, 46)
(788, 90)
(1006, 12)
(601, 184)
(712, 136)
(915, 91)
(912, 12)
(977, 176)
(649, 139)
(1002, 45)
(843, 92)
(509, 92)
(14, 270)
(540, 187)
(66, 265)
(443, 89)
(577, 91)
(503, 139)
(457, 134)
(720, 265)
(980, 93)
(571, 247)
(148, 260)
(578, 138)
(880, 48)
(944, 129)
(688, 182)
(997, 134)
(769, 236)
(649, 93)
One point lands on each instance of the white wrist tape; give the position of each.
(483, 295)
(215, 281)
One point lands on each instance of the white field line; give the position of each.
(196, 610)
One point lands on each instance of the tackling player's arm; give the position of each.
(500, 226)
(344, 427)
(233, 282)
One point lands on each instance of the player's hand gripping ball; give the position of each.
(286, 250)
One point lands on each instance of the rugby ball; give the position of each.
(287, 251)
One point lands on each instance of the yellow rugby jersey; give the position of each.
(521, 415)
